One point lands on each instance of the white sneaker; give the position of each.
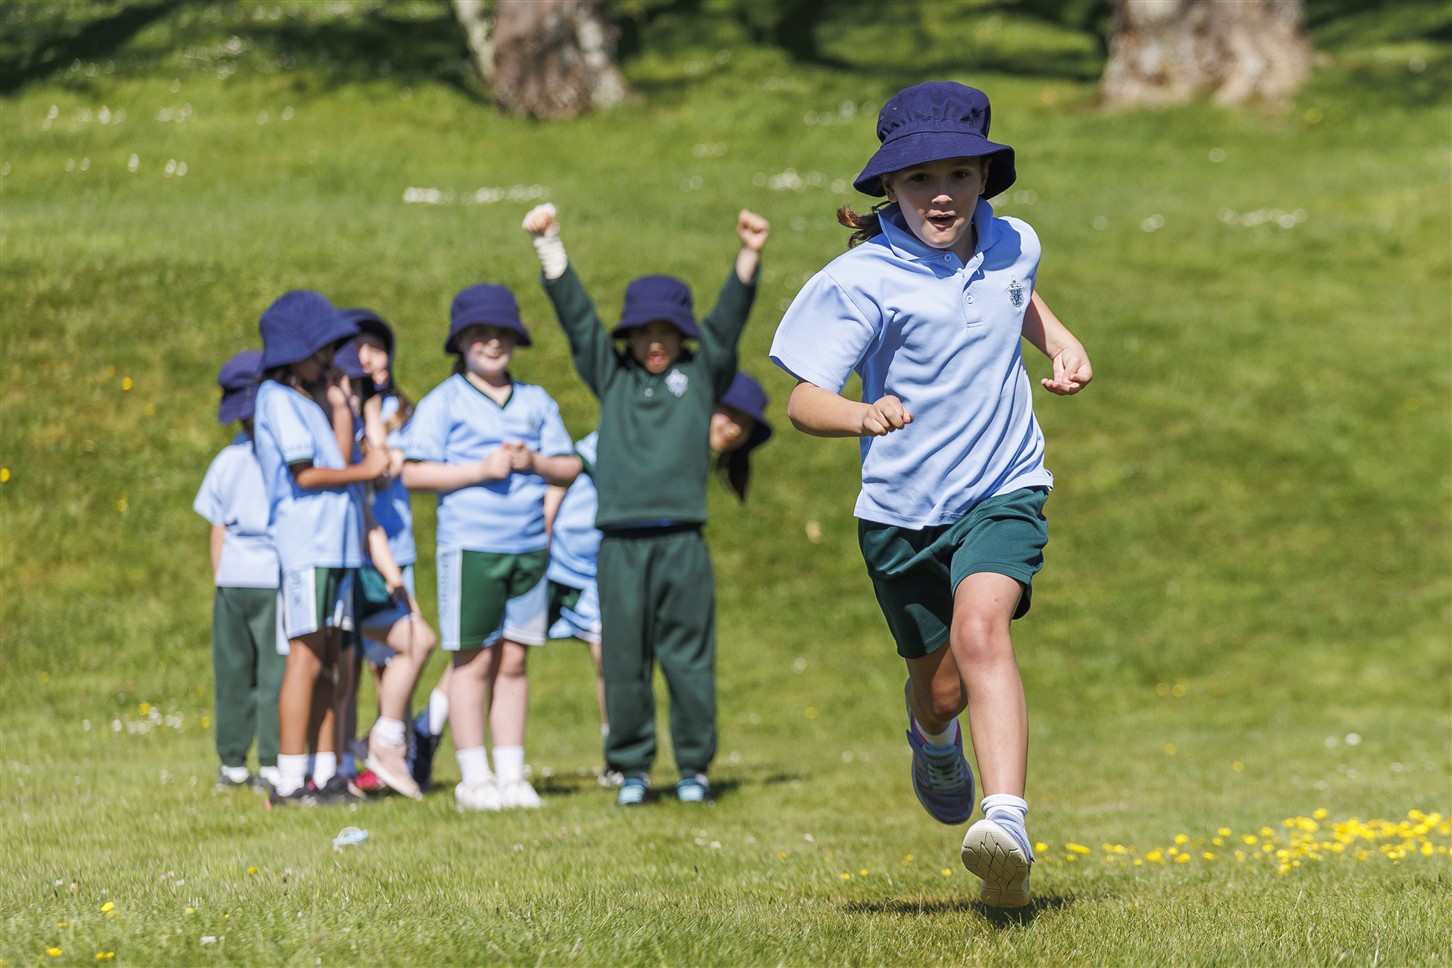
(993, 854)
(518, 793)
(483, 795)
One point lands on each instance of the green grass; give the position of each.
(1244, 617)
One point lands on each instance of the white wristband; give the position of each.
(551, 252)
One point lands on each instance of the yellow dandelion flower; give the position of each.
(252, 870)
(1251, 839)
(811, 712)
(108, 907)
(1179, 689)
(1238, 766)
(908, 859)
(1208, 855)
(4, 475)
(1077, 849)
(143, 708)
(1267, 832)
(126, 384)
(206, 722)
(1320, 813)
(1171, 749)
(947, 872)
(63, 924)
(105, 955)
(780, 853)
(191, 910)
(1183, 859)
(1155, 856)
(1217, 841)
(1223, 832)
(845, 876)
(53, 952)
(1182, 839)
(1040, 847)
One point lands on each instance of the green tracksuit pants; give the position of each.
(658, 605)
(248, 673)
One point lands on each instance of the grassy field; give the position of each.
(1239, 662)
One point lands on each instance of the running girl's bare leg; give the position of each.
(983, 607)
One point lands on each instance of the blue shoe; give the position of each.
(633, 791)
(424, 747)
(694, 789)
(941, 777)
(1002, 857)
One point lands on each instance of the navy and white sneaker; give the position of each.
(1001, 855)
(633, 791)
(694, 789)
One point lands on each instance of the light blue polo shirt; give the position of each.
(309, 527)
(575, 545)
(233, 495)
(946, 339)
(391, 507)
(457, 423)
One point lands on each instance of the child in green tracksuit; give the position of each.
(657, 593)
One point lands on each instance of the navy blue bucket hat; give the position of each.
(370, 323)
(297, 325)
(238, 379)
(663, 298)
(484, 304)
(748, 396)
(930, 122)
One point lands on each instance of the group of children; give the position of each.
(928, 307)
(313, 546)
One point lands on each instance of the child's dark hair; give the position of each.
(735, 469)
(863, 226)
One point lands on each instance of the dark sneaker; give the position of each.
(424, 746)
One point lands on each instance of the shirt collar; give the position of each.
(909, 246)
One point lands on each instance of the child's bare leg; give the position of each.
(983, 606)
(509, 707)
(412, 640)
(468, 682)
(295, 698)
(599, 684)
(936, 692)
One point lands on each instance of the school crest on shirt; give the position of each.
(677, 382)
(1015, 294)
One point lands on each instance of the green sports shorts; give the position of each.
(916, 572)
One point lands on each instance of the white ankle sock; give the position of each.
(1010, 813)
(473, 765)
(325, 767)
(388, 732)
(291, 772)
(509, 763)
(438, 712)
(945, 738)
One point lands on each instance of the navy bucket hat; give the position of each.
(652, 298)
(930, 122)
(297, 325)
(484, 304)
(748, 396)
(370, 323)
(238, 379)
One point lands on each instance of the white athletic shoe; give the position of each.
(518, 793)
(993, 854)
(483, 795)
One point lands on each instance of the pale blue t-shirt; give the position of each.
(391, 508)
(457, 423)
(945, 338)
(575, 545)
(233, 495)
(309, 527)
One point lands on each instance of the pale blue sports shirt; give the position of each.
(309, 527)
(945, 338)
(575, 545)
(457, 423)
(232, 495)
(391, 507)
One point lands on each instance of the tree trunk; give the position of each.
(553, 58)
(475, 20)
(1233, 51)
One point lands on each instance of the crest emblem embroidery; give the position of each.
(677, 382)
(1015, 294)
